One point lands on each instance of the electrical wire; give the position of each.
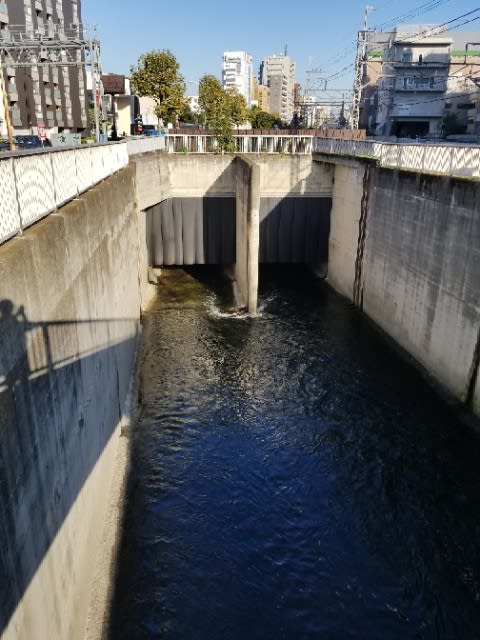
(418, 36)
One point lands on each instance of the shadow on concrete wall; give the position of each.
(62, 393)
(202, 230)
(294, 230)
(188, 231)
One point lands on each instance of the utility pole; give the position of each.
(51, 49)
(359, 62)
(315, 82)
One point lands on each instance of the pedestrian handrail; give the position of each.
(35, 184)
(434, 158)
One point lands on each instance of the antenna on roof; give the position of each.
(286, 48)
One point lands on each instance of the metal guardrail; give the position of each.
(33, 185)
(439, 159)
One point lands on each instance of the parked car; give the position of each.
(30, 142)
(149, 130)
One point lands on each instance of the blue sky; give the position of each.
(318, 35)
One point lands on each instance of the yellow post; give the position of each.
(6, 108)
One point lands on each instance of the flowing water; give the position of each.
(292, 477)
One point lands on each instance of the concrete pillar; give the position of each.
(247, 233)
(253, 231)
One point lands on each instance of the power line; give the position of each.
(421, 35)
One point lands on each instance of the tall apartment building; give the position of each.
(237, 73)
(36, 37)
(278, 73)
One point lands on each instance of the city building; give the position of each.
(420, 81)
(43, 64)
(123, 106)
(417, 79)
(278, 73)
(413, 83)
(237, 73)
(462, 100)
(260, 95)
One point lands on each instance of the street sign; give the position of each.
(42, 132)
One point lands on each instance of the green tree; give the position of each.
(451, 125)
(261, 119)
(238, 107)
(157, 75)
(216, 106)
(186, 115)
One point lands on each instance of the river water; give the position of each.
(292, 477)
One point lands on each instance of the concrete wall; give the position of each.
(282, 206)
(406, 248)
(344, 226)
(69, 305)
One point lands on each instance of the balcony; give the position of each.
(3, 13)
(15, 116)
(431, 84)
(410, 64)
(12, 91)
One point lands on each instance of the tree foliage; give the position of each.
(157, 75)
(238, 107)
(216, 107)
(263, 120)
(451, 125)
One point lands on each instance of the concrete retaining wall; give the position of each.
(406, 248)
(69, 304)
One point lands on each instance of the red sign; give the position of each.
(42, 132)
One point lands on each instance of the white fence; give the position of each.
(244, 143)
(440, 159)
(34, 185)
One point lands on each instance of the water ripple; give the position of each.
(292, 478)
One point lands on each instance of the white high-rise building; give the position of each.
(278, 73)
(237, 73)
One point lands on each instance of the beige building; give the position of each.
(260, 95)
(278, 73)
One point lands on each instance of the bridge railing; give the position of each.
(250, 143)
(440, 159)
(34, 185)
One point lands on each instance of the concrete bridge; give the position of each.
(81, 235)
